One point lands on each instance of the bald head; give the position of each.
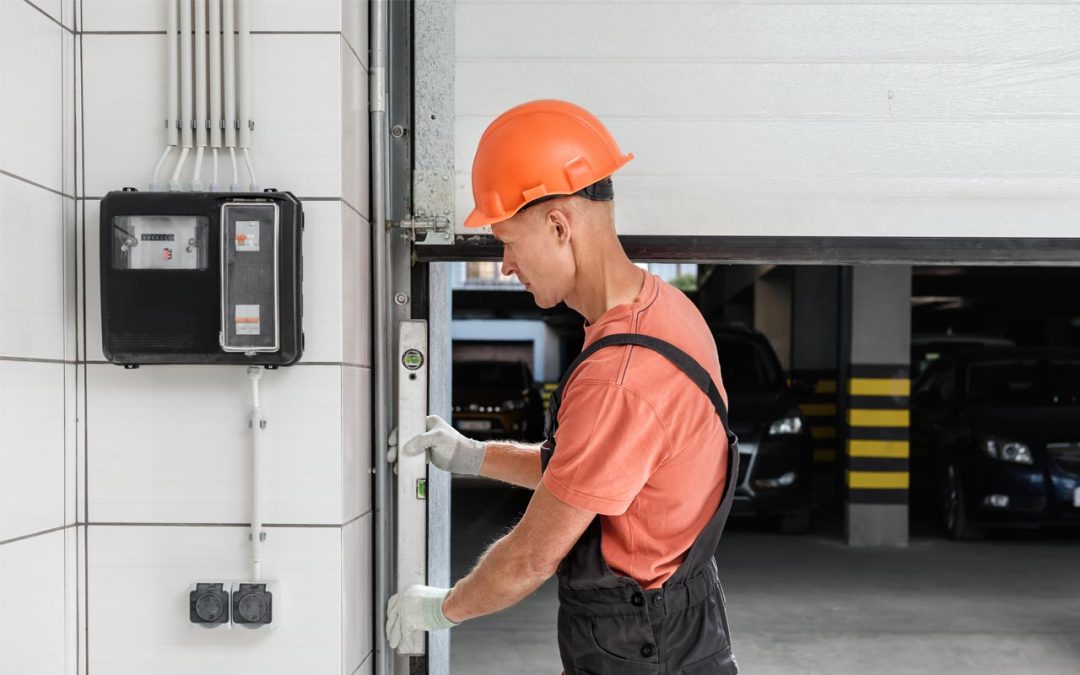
(548, 245)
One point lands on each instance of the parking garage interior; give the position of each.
(878, 564)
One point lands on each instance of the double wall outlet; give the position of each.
(219, 604)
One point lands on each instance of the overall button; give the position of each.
(657, 600)
(638, 599)
(647, 650)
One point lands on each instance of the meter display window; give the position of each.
(160, 242)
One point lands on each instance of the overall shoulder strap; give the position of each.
(683, 361)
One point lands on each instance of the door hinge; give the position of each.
(432, 228)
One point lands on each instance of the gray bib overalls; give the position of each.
(609, 625)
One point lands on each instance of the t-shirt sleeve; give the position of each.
(608, 443)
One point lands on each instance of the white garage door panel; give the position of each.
(846, 207)
(876, 91)
(752, 31)
(729, 149)
(801, 118)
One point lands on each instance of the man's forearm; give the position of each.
(514, 463)
(504, 575)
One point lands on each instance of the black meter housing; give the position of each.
(201, 277)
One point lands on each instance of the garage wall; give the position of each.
(119, 488)
(844, 118)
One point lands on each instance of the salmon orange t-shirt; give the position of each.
(638, 442)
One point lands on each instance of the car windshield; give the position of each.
(489, 374)
(1028, 382)
(746, 366)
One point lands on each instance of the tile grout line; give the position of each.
(59, 193)
(30, 359)
(50, 17)
(86, 454)
(76, 138)
(32, 535)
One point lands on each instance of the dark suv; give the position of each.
(775, 452)
(995, 439)
(497, 399)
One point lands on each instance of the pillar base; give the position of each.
(876, 524)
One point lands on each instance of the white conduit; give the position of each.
(228, 13)
(172, 87)
(200, 93)
(258, 430)
(243, 20)
(187, 105)
(215, 87)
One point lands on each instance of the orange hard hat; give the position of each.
(539, 149)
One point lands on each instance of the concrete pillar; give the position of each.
(772, 312)
(876, 333)
(815, 320)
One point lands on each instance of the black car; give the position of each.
(929, 347)
(775, 452)
(995, 436)
(497, 399)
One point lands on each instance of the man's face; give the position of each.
(536, 247)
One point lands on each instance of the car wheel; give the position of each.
(797, 522)
(958, 525)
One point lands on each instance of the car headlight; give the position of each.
(513, 404)
(1007, 451)
(786, 426)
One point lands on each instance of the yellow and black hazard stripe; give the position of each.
(546, 392)
(877, 448)
(816, 395)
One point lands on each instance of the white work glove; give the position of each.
(418, 608)
(446, 448)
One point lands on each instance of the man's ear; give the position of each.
(558, 219)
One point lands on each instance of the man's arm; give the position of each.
(520, 562)
(514, 463)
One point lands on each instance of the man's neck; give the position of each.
(601, 287)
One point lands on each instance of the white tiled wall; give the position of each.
(119, 488)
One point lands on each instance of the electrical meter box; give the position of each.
(201, 277)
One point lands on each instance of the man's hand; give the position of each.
(446, 448)
(418, 608)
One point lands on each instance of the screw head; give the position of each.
(398, 131)
(401, 298)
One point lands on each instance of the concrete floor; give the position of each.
(811, 604)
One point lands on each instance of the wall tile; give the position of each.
(138, 595)
(72, 457)
(68, 101)
(354, 123)
(296, 145)
(267, 15)
(356, 407)
(322, 281)
(170, 444)
(356, 288)
(31, 264)
(124, 111)
(31, 447)
(356, 593)
(53, 8)
(32, 580)
(90, 279)
(354, 26)
(30, 136)
(72, 600)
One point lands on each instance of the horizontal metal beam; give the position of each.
(807, 250)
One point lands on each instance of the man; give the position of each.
(635, 480)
